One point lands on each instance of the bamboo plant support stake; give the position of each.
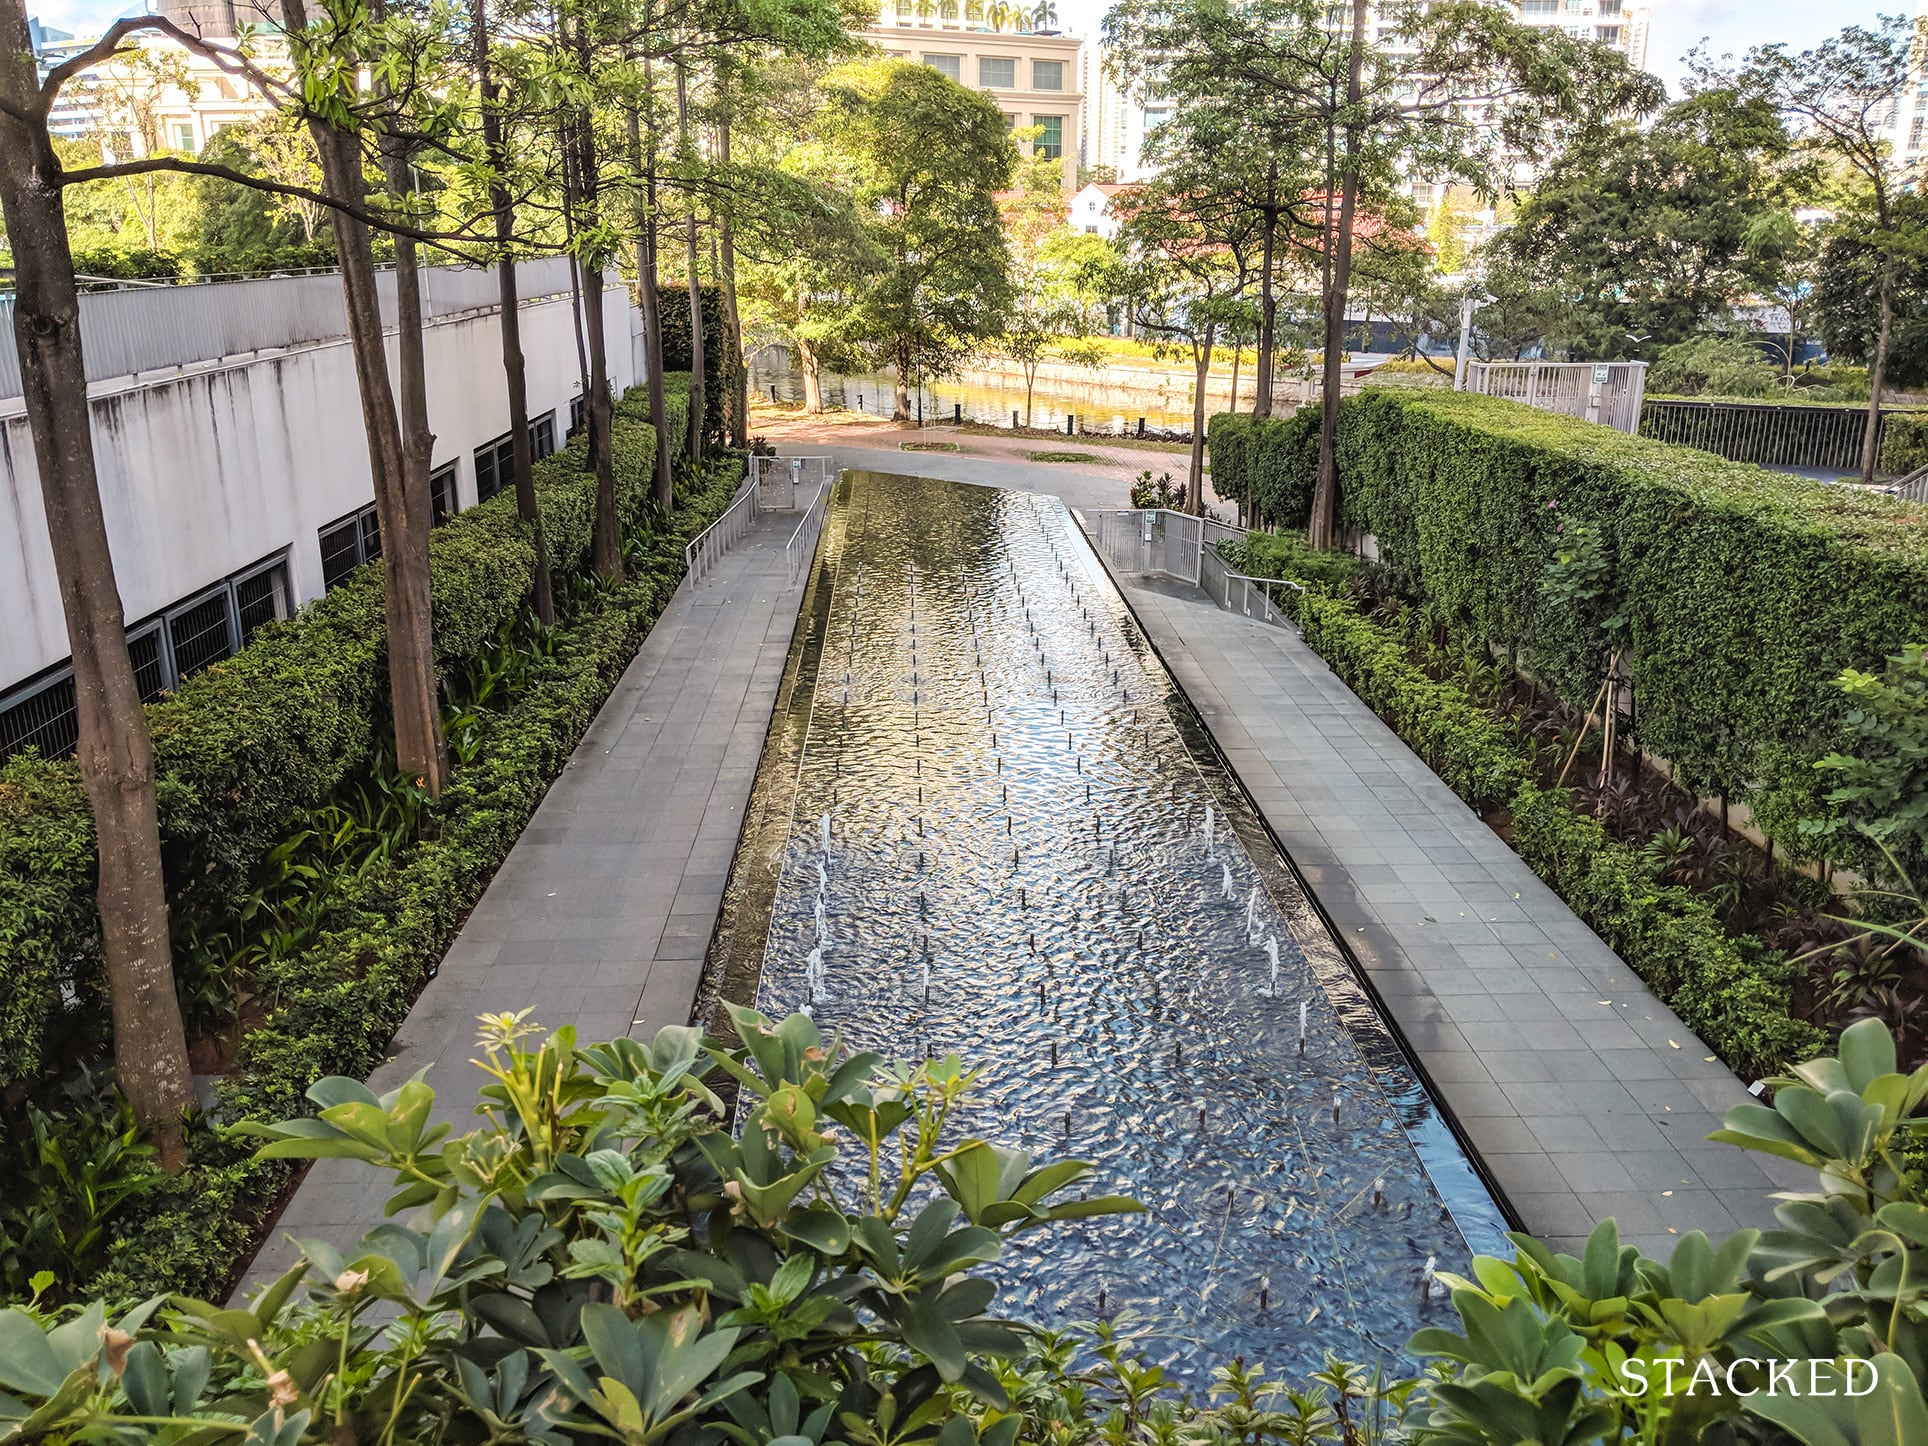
(1587, 726)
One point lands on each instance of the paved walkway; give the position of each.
(602, 913)
(1584, 1095)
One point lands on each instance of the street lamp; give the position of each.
(1468, 304)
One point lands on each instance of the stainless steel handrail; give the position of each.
(797, 552)
(706, 549)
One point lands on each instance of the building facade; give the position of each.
(234, 468)
(1036, 79)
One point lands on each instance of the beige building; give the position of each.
(1035, 79)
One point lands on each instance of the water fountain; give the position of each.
(1089, 1016)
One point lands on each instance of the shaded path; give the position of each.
(602, 913)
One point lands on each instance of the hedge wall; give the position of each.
(340, 1002)
(1734, 997)
(1745, 592)
(245, 749)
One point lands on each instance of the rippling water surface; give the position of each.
(1020, 870)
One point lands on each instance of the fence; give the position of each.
(709, 545)
(781, 480)
(1609, 393)
(803, 542)
(150, 328)
(1153, 540)
(1774, 434)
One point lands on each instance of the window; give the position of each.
(203, 628)
(996, 72)
(1047, 75)
(951, 65)
(578, 408)
(494, 468)
(441, 494)
(1609, 7)
(1051, 141)
(1539, 7)
(495, 461)
(1607, 34)
(347, 543)
(184, 138)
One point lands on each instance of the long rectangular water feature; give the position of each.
(1036, 860)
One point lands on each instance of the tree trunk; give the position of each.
(116, 752)
(1195, 492)
(1238, 355)
(698, 399)
(812, 371)
(901, 389)
(606, 541)
(1323, 526)
(418, 442)
(419, 750)
(513, 369)
(649, 302)
(732, 317)
(1268, 304)
(1871, 438)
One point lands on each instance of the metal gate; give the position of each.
(1153, 540)
(785, 484)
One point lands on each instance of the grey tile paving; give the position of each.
(1584, 1095)
(602, 913)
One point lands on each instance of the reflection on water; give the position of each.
(1035, 862)
(1099, 407)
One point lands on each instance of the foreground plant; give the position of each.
(1816, 1331)
(602, 1257)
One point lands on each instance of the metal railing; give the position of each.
(706, 549)
(781, 480)
(1774, 434)
(803, 542)
(1609, 393)
(1237, 592)
(145, 329)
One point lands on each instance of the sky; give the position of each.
(1678, 25)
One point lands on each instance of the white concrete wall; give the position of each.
(206, 473)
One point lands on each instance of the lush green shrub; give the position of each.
(1267, 463)
(1713, 1342)
(1286, 554)
(338, 1003)
(1904, 442)
(608, 1258)
(247, 748)
(1745, 592)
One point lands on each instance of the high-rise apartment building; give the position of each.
(1036, 78)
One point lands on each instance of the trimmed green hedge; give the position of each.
(1731, 994)
(340, 1002)
(1745, 591)
(247, 748)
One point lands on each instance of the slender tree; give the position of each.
(116, 752)
(686, 145)
(514, 369)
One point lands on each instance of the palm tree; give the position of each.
(1044, 16)
(1000, 14)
